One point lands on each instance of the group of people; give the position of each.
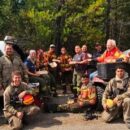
(43, 67)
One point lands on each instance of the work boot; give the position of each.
(64, 89)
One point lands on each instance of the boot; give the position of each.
(64, 89)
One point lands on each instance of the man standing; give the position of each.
(65, 69)
(98, 50)
(116, 97)
(9, 63)
(14, 109)
(49, 56)
(79, 60)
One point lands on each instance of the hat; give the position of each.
(109, 103)
(9, 39)
(52, 46)
(28, 99)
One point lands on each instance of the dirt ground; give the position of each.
(68, 121)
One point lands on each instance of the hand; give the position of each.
(22, 94)
(37, 74)
(72, 62)
(105, 107)
(119, 103)
(46, 64)
(19, 115)
(115, 100)
(78, 62)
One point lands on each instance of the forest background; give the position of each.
(39, 23)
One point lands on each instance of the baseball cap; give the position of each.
(52, 46)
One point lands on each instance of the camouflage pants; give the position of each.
(77, 78)
(14, 122)
(76, 81)
(108, 116)
(75, 107)
(66, 79)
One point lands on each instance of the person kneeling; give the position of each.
(86, 98)
(18, 103)
(116, 97)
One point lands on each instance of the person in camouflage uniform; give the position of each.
(118, 90)
(14, 110)
(86, 98)
(65, 69)
(49, 56)
(9, 63)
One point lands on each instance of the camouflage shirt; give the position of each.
(119, 88)
(64, 62)
(9, 93)
(7, 66)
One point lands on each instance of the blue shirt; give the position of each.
(30, 65)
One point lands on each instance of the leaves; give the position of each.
(64, 22)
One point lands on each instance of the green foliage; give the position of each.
(64, 22)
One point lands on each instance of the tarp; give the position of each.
(2, 46)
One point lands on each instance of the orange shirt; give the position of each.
(111, 56)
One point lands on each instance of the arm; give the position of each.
(106, 94)
(101, 58)
(33, 74)
(24, 68)
(1, 68)
(7, 106)
(125, 94)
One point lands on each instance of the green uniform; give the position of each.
(65, 71)
(7, 66)
(119, 88)
(11, 106)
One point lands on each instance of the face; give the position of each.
(98, 48)
(33, 55)
(120, 73)
(109, 46)
(16, 80)
(77, 49)
(84, 48)
(52, 49)
(63, 51)
(85, 80)
(8, 50)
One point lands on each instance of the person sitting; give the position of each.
(111, 55)
(34, 76)
(15, 111)
(116, 97)
(79, 61)
(86, 98)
